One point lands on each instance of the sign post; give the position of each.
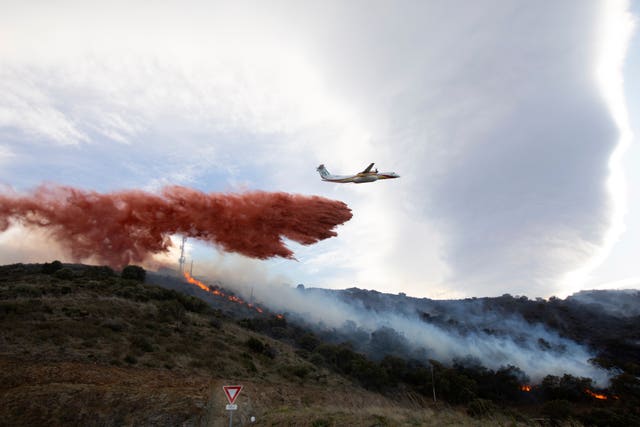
(232, 392)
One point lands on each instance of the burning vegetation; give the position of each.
(528, 389)
(595, 395)
(216, 291)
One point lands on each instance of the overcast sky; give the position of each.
(509, 122)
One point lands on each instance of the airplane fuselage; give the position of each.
(358, 178)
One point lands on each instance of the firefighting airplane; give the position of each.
(367, 175)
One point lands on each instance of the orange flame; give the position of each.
(525, 387)
(219, 293)
(595, 395)
(197, 283)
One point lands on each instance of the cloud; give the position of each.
(503, 130)
(27, 107)
(6, 154)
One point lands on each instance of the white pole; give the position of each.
(182, 259)
(433, 383)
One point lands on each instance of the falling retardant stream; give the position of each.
(127, 227)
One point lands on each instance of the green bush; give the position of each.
(50, 268)
(133, 272)
(193, 304)
(300, 371)
(64, 274)
(308, 341)
(455, 387)
(99, 272)
(566, 387)
(255, 345)
(171, 311)
(316, 359)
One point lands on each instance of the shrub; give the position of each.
(114, 325)
(609, 418)
(557, 409)
(300, 371)
(371, 375)
(64, 274)
(566, 387)
(316, 359)
(134, 272)
(395, 367)
(171, 310)
(255, 345)
(63, 290)
(50, 268)
(99, 272)
(454, 387)
(628, 386)
(279, 332)
(251, 367)
(142, 343)
(308, 341)
(269, 351)
(479, 408)
(191, 303)
(131, 359)
(27, 291)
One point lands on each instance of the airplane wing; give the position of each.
(368, 169)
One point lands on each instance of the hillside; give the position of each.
(605, 322)
(81, 345)
(571, 359)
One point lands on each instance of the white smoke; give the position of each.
(618, 303)
(23, 245)
(497, 340)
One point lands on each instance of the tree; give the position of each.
(50, 268)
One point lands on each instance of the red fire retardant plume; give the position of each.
(127, 227)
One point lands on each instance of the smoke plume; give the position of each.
(419, 328)
(127, 227)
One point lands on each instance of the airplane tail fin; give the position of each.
(324, 173)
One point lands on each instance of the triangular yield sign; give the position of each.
(232, 391)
